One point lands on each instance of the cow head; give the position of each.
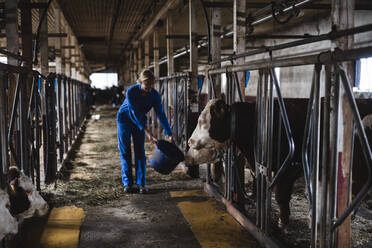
(9, 225)
(24, 198)
(211, 134)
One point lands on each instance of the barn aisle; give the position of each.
(176, 212)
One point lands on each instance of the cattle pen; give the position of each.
(270, 102)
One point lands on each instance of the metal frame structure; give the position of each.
(179, 117)
(326, 234)
(40, 122)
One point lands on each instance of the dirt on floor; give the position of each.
(92, 176)
(91, 179)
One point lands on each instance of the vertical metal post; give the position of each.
(270, 143)
(22, 122)
(176, 111)
(258, 146)
(69, 92)
(65, 114)
(37, 104)
(332, 86)
(51, 129)
(315, 160)
(60, 118)
(3, 127)
(264, 154)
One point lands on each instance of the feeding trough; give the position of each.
(166, 157)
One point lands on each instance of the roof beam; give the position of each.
(113, 24)
(162, 12)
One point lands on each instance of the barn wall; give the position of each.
(296, 81)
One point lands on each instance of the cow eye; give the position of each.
(7, 205)
(29, 192)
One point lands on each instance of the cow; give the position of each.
(213, 134)
(25, 200)
(8, 224)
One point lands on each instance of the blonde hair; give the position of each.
(145, 75)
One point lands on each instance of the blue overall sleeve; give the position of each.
(134, 104)
(159, 110)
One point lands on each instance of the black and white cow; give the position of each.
(8, 224)
(25, 200)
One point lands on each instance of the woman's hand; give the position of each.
(150, 136)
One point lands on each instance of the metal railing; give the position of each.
(311, 152)
(173, 92)
(40, 119)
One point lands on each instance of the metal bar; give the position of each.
(315, 158)
(22, 122)
(306, 140)
(264, 155)
(12, 122)
(175, 115)
(329, 36)
(4, 155)
(297, 5)
(37, 131)
(270, 143)
(273, 36)
(60, 118)
(65, 115)
(10, 54)
(366, 149)
(258, 145)
(287, 127)
(69, 111)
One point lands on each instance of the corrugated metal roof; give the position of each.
(92, 20)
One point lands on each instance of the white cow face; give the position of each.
(36, 205)
(8, 224)
(210, 135)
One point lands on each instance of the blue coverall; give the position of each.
(131, 120)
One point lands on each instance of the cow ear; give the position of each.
(219, 109)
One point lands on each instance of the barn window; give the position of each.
(3, 59)
(104, 80)
(363, 74)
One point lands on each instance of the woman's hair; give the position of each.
(145, 75)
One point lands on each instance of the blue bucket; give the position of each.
(166, 157)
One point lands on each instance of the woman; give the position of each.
(131, 121)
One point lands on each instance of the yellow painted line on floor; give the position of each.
(212, 226)
(62, 228)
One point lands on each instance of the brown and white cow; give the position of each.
(8, 224)
(25, 200)
(213, 134)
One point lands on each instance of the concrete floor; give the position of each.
(176, 212)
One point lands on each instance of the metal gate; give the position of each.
(176, 109)
(40, 118)
(315, 157)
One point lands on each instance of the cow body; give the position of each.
(8, 224)
(214, 133)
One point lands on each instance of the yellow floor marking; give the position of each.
(212, 226)
(63, 227)
(189, 193)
